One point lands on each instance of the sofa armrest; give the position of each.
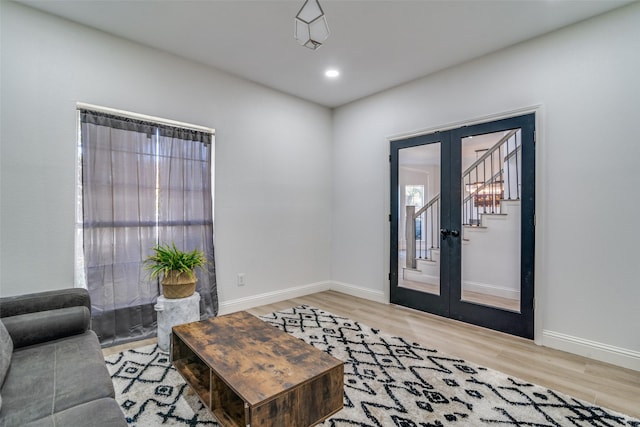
(34, 328)
(42, 301)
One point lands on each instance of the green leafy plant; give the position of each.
(168, 257)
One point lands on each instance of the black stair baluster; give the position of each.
(418, 239)
(501, 172)
(517, 172)
(507, 165)
(491, 187)
(431, 237)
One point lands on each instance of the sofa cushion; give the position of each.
(43, 301)
(98, 413)
(6, 350)
(43, 326)
(53, 377)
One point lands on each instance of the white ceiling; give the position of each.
(375, 44)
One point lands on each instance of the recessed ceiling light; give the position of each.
(332, 73)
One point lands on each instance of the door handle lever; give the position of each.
(444, 232)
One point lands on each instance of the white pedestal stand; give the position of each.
(172, 312)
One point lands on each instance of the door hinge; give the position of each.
(389, 276)
(389, 158)
(389, 217)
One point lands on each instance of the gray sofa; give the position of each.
(52, 372)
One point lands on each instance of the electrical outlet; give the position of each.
(241, 279)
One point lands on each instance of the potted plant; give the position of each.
(177, 269)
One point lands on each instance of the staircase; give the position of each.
(490, 225)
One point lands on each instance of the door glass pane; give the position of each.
(419, 224)
(491, 224)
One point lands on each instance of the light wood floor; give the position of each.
(469, 296)
(595, 382)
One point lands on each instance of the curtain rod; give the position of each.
(144, 117)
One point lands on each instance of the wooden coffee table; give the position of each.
(249, 373)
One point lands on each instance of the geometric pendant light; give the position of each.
(311, 28)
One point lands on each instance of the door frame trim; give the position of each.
(536, 108)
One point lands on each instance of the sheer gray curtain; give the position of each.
(142, 184)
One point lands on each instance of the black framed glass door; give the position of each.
(462, 223)
(416, 259)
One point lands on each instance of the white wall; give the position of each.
(278, 217)
(272, 211)
(585, 78)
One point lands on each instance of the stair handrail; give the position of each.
(474, 165)
(427, 206)
(411, 250)
(492, 180)
(471, 211)
(490, 151)
(513, 153)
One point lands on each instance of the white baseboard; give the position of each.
(493, 290)
(246, 303)
(594, 350)
(357, 291)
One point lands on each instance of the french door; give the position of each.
(462, 223)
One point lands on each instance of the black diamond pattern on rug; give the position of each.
(388, 381)
(152, 393)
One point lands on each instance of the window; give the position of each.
(414, 196)
(141, 182)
